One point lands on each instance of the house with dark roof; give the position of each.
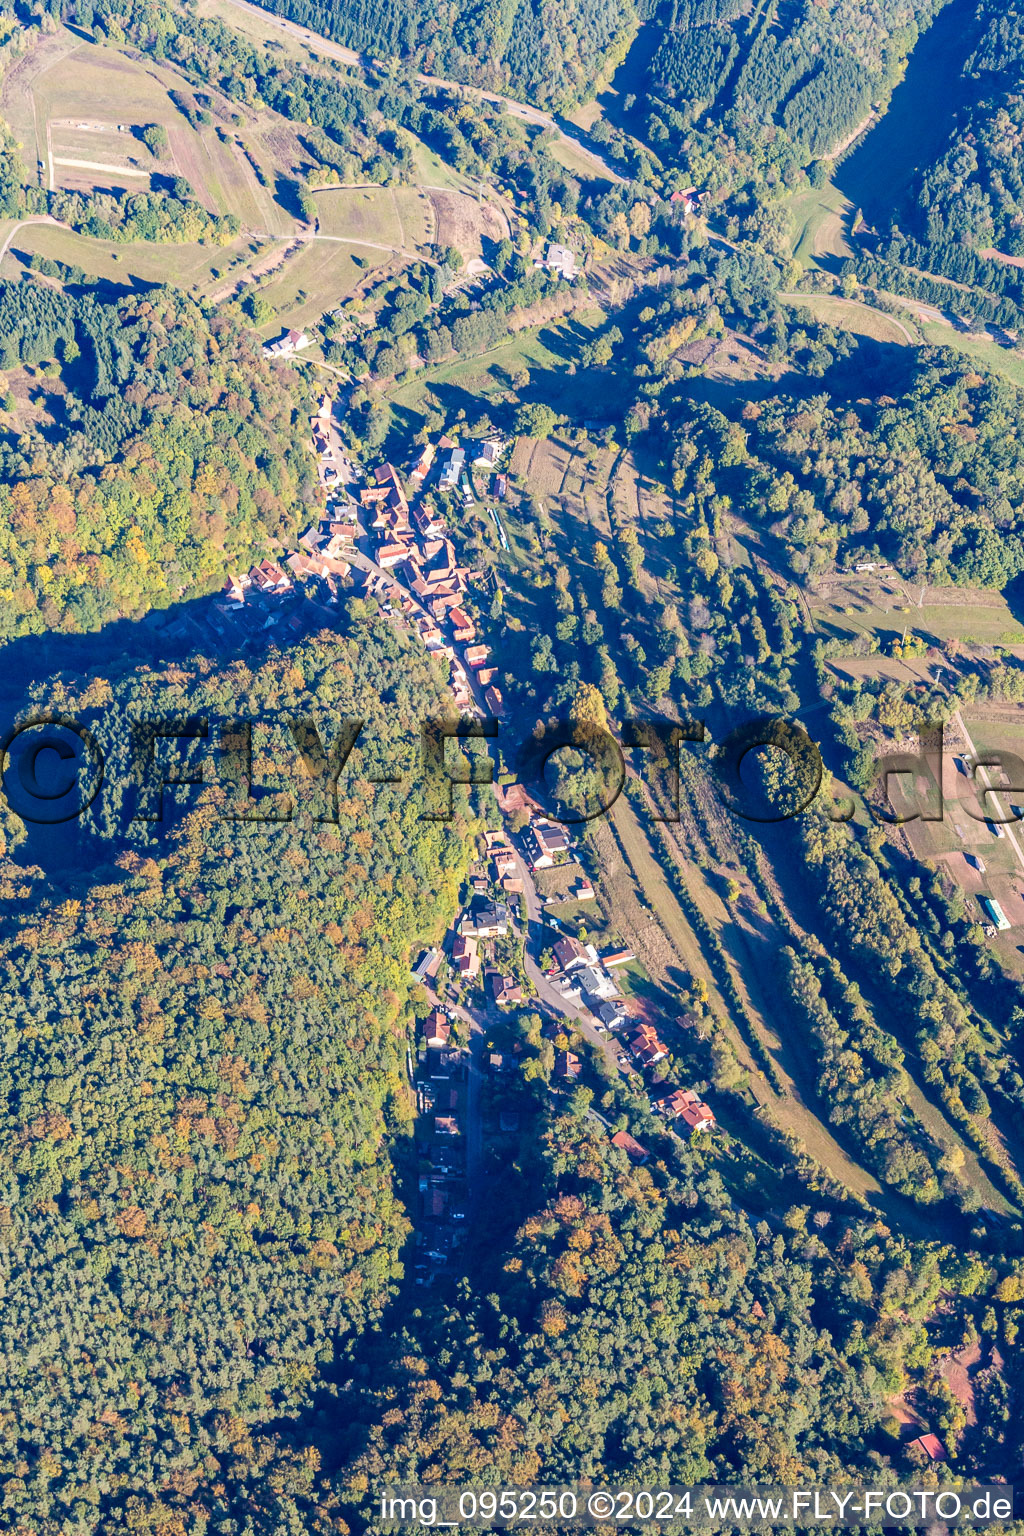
(569, 954)
(485, 919)
(505, 990)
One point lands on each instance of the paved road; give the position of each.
(520, 109)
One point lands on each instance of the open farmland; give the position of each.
(883, 606)
(313, 278)
(188, 266)
(79, 108)
(400, 218)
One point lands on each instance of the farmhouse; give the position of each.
(286, 344)
(559, 260)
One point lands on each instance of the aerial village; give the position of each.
(470, 1072)
(371, 542)
(506, 949)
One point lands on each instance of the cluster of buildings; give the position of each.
(483, 920)
(441, 1088)
(411, 563)
(413, 543)
(585, 975)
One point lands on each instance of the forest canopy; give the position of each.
(164, 450)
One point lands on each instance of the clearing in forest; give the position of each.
(817, 221)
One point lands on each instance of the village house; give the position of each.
(334, 528)
(489, 453)
(617, 957)
(287, 344)
(463, 627)
(495, 703)
(476, 655)
(421, 468)
(269, 578)
(567, 1065)
(452, 469)
(235, 588)
(549, 841)
(485, 919)
(390, 554)
(501, 486)
(436, 1030)
(427, 522)
(426, 966)
(632, 1148)
(683, 1104)
(610, 1012)
(446, 1125)
(386, 475)
(646, 1048)
(594, 982)
(465, 956)
(486, 675)
(505, 990)
(569, 954)
(504, 860)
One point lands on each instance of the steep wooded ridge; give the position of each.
(795, 72)
(549, 53)
(162, 449)
(974, 192)
(202, 1083)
